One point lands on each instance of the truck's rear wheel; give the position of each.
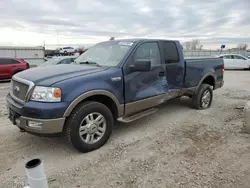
(203, 97)
(89, 126)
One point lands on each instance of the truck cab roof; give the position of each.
(142, 40)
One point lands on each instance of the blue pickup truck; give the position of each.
(118, 80)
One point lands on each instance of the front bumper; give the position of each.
(40, 126)
(41, 122)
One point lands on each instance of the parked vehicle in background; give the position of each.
(58, 60)
(235, 61)
(11, 66)
(67, 50)
(47, 58)
(120, 80)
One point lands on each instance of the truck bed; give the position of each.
(196, 68)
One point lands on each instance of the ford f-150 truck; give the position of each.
(120, 80)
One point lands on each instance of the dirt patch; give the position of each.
(242, 95)
(236, 115)
(202, 140)
(3, 111)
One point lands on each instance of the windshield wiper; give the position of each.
(89, 62)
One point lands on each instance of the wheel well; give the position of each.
(209, 80)
(106, 101)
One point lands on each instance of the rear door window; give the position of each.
(2, 62)
(170, 52)
(15, 61)
(227, 57)
(5, 61)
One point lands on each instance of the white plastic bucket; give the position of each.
(36, 174)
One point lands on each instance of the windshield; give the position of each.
(108, 53)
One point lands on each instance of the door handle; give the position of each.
(161, 74)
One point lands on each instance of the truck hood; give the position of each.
(46, 76)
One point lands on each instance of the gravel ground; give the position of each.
(176, 147)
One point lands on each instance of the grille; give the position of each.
(19, 90)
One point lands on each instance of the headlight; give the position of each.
(46, 94)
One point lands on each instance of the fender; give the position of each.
(204, 77)
(120, 107)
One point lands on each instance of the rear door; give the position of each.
(5, 68)
(228, 62)
(18, 65)
(174, 68)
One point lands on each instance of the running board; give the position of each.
(137, 116)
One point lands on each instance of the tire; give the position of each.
(203, 90)
(82, 115)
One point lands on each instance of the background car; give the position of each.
(59, 60)
(47, 58)
(11, 66)
(235, 61)
(67, 50)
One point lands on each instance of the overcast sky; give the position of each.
(214, 22)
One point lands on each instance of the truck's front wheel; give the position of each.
(89, 126)
(203, 98)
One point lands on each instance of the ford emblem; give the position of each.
(16, 89)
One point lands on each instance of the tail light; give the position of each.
(223, 69)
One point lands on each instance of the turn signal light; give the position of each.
(57, 93)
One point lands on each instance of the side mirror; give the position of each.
(141, 65)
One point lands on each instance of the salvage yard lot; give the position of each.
(176, 147)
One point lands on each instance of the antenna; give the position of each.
(57, 39)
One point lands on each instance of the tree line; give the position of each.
(195, 44)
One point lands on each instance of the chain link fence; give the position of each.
(211, 53)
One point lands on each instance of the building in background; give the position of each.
(33, 55)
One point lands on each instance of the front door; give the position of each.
(240, 62)
(144, 89)
(174, 69)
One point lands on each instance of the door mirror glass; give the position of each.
(142, 65)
